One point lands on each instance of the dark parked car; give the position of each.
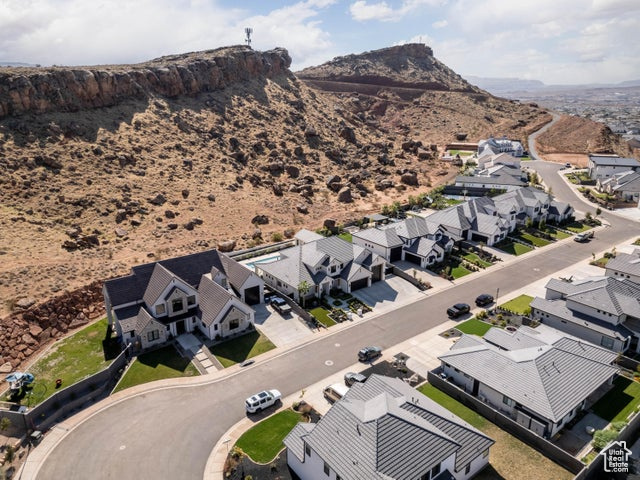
(369, 353)
(484, 299)
(280, 305)
(458, 309)
(352, 377)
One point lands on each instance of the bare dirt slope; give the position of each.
(186, 160)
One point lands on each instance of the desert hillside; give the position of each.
(106, 167)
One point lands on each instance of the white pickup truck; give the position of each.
(583, 236)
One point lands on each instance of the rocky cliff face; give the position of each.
(31, 90)
(410, 66)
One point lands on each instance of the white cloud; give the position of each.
(76, 32)
(440, 24)
(363, 11)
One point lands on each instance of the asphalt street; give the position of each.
(170, 433)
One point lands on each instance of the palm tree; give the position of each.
(303, 289)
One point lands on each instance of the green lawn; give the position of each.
(346, 236)
(508, 457)
(472, 257)
(238, 349)
(263, 441)
(600, 262)
(72, 359)
(322, 315)
(577, 227)
(513, 248)
(462, 153)
(458, 271)
(620, 401)
(557, 234)
(519, 304)
(157, 365)
(537, 241)
(637, 242)
(474, 326)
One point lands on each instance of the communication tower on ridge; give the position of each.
(248, 31)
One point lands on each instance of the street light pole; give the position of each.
(497, 293)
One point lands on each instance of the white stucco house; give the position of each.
(625, 266)
(495, 146)
(384, 429)
(207, 291)
(539, 378)
(604, 166)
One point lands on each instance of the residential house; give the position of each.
(540, 380)
(498, 177)
(533, 203)
(322, 265)
(602, 310)
(414, 239)
(207, 291)
(385, 429)
(495, 146)
(306, 236)
(624, 185)
(604, 166)
(625, 265)
(488, 161)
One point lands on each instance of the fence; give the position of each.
(414, 281)
(260, 250)
(628, 363)
(68, 400)
(297, 309)
(545, 447)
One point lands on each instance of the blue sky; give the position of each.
(556, 41)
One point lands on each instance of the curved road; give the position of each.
(170, 433)
(533, 152)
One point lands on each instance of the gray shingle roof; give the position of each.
(627, 263)
(305, 236)
(384, 429)
(386, 237)
(212, 300)
(511, 341)
(160, 279)
(608, 294)
(496, 179)
(601, 161)
(424, 247)
(545, 379)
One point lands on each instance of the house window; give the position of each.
(131, 334)
(160, 309)
(233, 324)
(215, 327)
(153, 335)
(326, 469)
(507, 401)
(176, 305)
(467, 469)
(435, 471)
(333, 269)
(191, 300)
(485, 454)
(307, 450)
(607, 342)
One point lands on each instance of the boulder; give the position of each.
(344, 195)
(227, 246)
(158, 200)
(302, 208)
(409, 178)
(260, 220)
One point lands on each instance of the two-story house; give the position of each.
(539, 378)
(384, 429)
(415, 239)
(602, 310)
(322, 265)
(206, 291)
(625, 265)
(624, 186)
(494, 146)
(604, 166)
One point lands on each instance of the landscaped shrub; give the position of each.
(601, 438)
(617, 426)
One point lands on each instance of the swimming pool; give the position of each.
(270, 259)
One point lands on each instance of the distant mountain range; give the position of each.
(506, 86)
(16, 64)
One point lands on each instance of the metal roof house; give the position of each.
(625, 265)
(206, 291)
(602, 310)
(323, 264)
(604, 166)
(494, 146)
(385, 429)
(539, 380)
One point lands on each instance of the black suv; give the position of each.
(369, 353)
(484, 299)
(280, 305)
(458, 309)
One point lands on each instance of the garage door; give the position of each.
(377, 273)
(410, 257)
(362, 283)
(479, 238)
(396, 254)
(252, 295)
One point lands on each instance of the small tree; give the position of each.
(303, 289)
(598, 211)
(528, 223)
(5, 424)
(601, 438)
(542, 224)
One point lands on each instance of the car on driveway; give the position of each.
(262, 400)
(352, 377)
(484, 299)
(458, 309)
(280, 305)
(369, 353)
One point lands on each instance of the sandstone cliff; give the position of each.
(39, 90)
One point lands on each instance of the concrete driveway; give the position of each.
(428, 276)
(281, 330)
(387, 295)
